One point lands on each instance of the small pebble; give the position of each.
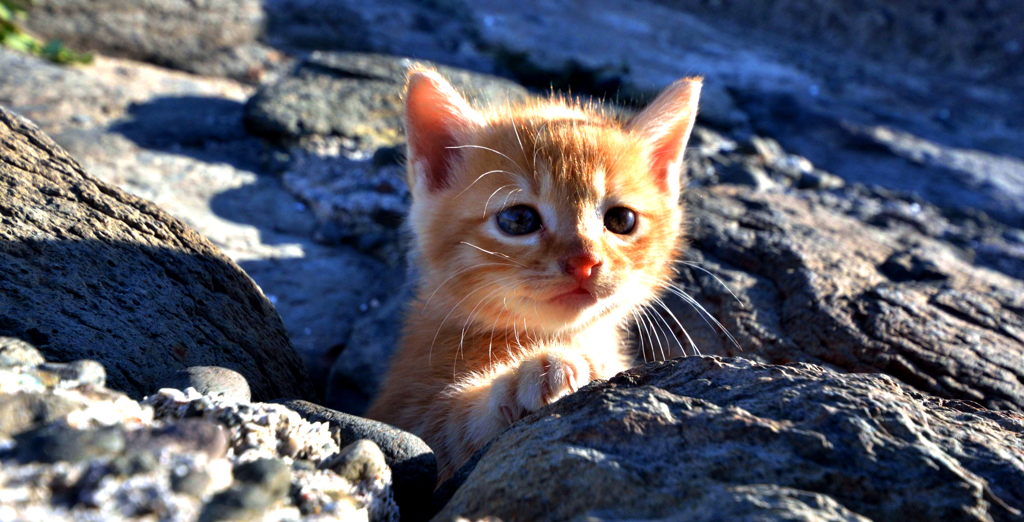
(56, 443)
(127, 465)
(190, 481)
(358, 462)
(209, 380)
(15, 352)
(82, 372)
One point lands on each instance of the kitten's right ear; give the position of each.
(436, 119)
(666, 124)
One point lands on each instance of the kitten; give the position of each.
(539, 230)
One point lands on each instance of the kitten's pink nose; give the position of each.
(581, 267)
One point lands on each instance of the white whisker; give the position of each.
(481, 177)
(488, 202)
(453, 276)
(498, 254)
(490, 150)
(708, 272)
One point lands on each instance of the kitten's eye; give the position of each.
(620, 220)
(519, 220)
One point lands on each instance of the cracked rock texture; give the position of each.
(860, 282)
(87, 270)
(706, 438)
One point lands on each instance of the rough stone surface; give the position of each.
(201, 37)
(857, 281)
(410, 459)
(209, 380)
(73, 450)
(113, 278)
(703, 438)
(15, 352)
(355, 96)
(434, 30)
(355, 376)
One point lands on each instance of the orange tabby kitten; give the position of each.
(538, 230)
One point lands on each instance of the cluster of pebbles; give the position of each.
(72, 449)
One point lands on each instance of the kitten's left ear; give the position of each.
(437, 118)
(666, 124)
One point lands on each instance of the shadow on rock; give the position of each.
(206, 128)
(144, 312)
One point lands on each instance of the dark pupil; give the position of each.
(620, 220)
(518, 220)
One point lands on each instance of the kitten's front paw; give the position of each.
(537, 382)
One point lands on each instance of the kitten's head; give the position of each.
(547, 214)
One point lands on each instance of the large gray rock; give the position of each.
(214, 38)
(356, 96)
(410, 458)
(89, 271)
(716, 439)
(858, 281)
(435, 30)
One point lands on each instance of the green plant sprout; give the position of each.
(12, 37)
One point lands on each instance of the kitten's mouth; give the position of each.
(577, 298)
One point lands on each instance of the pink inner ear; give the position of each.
(666, 124)
(667, 157)
(435, 116)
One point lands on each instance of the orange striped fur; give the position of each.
(491, 335)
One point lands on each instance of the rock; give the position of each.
(717, 107)
(15, 352)
(954, 176)
(702, 438)
(409, 458)
(819, 179)
(857, 281)
(359, 461)
(25, 411)
(209, 380)
(355, 96)
(85, 371)
(190, 482)
(113, 278)
(132, 464)
(60, 99)
(439, 31)
(202, 38)
(258, 486)
(270, 475)
(354, 202)
(106, 457)
(746, 173)
(184, 436)
(62, 444)
(355, 375)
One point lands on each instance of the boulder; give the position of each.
(211, 38)
(356, 96)
(436, 30)
(88, 271)
(411, 460)
(706, 438)
(857, 280)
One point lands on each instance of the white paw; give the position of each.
(537, 382)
